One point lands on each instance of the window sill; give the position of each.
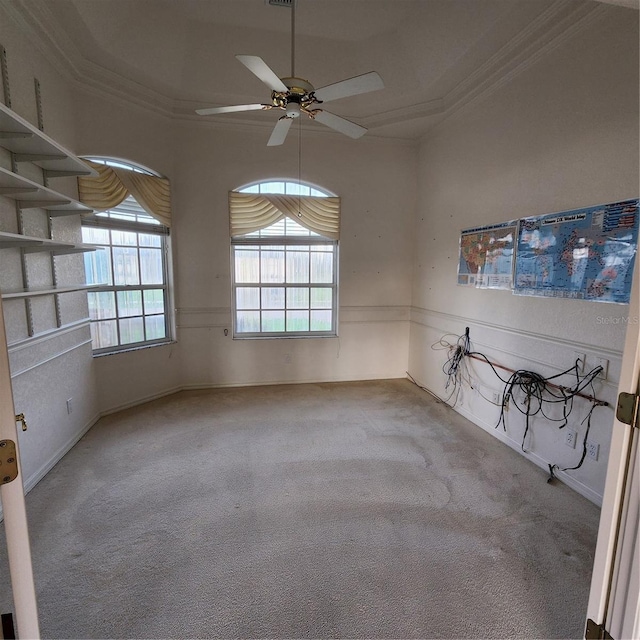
(285, 337)
(135, 348)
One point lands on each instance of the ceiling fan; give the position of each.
(296, 96)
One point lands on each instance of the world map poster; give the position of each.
(585, 254)
(486, 256)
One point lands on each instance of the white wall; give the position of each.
(55, 364)
(108, 127)
(561, 135)
(376, 183)
(374, 178)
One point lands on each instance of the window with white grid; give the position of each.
(285, 277)
(128, 304)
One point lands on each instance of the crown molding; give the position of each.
(45, 34)
(44, 31)
(557, 24)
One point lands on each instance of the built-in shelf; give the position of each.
(31, 195)
(33, 293)
(29, 144)
(76, 248)
(32, 245)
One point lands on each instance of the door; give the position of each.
(15, 517)
(614, 601)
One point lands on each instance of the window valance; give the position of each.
(113, 185)
(249, 212)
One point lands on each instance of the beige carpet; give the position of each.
(359, 510)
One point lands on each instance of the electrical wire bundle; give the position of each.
(538, 391)
(455, 366)
(529, 392)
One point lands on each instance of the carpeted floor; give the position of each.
(358, 510)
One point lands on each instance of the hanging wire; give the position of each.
(299, 165)
(529, 392)
(293, 38)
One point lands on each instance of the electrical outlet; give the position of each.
(570, 436)
(593, 450)
(496, 398)
(69, 406)
(604, 363)
(581, 358)
(595, 361)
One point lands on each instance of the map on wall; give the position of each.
(585, 254)
(486, 256)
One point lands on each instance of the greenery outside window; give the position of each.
(129, 306)
(284, 276)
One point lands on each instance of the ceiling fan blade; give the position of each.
(280, 131)
(351, 87)
(342, 125)
(238, 107)
(259, 68)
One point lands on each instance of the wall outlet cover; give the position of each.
(593, 450)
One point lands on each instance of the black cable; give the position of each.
(584, 446)
(537, 390)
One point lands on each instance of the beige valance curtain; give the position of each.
(113, 185)
(249, 212)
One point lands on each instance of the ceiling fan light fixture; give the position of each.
(295, 95)
(293, 110)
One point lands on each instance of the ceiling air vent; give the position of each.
(281, 3)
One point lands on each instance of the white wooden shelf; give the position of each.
(31, 195)
(32, 245)
(33, 293)
(29, 144)
(74, 248)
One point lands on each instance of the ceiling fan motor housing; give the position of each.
(299, 97)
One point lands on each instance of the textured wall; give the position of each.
(562, 134)
(376, 181)
(55, 363)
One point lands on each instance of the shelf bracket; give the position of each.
(58, 213)
(35, 157)
(12, 191)
(36, 86)
(54, 173)
(40, 204)
(4, 71)
(12, 135)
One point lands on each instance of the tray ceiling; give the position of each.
(174, 56)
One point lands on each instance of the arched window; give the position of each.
(129, 304)
(285, 271)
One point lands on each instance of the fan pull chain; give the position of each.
(293, 39)
(299, 166)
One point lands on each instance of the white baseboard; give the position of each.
(576, 485)
(143, 400)
(34, 478)
(30, 482)
(570, 481)
(272, 383)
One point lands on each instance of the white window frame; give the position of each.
(108, 220)
(238, 242)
